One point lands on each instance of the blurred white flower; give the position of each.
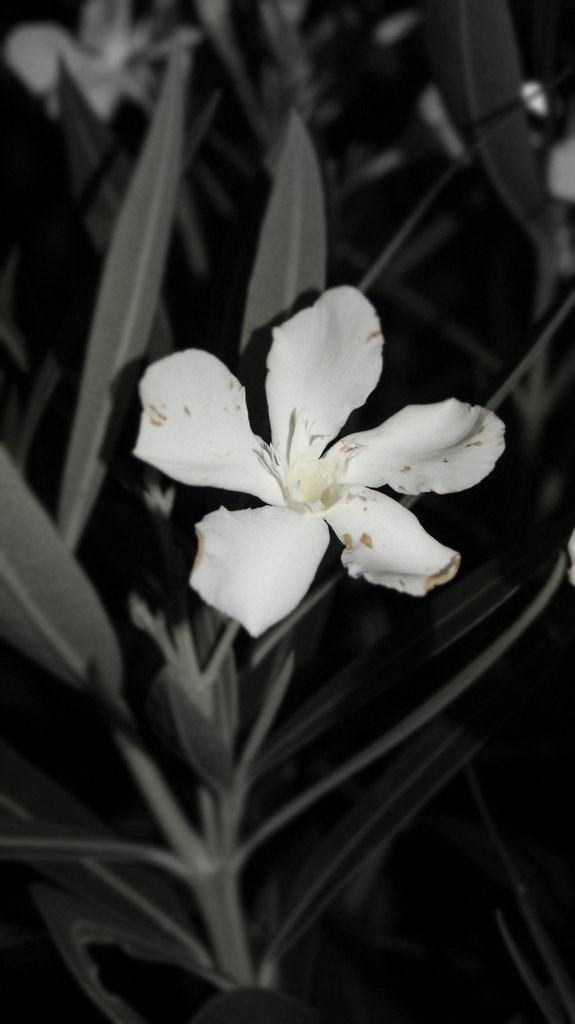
(110, 60)
(571, 550)
(561, 170)
(433, 112)
(256, 564)
(534, 96)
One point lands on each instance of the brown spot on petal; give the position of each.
(200, 537)
(446, 460)
(187, 411)
(238, 407)
(225, 408)
(365, 508)
(403, 488)
(481, 429)
(156, 423)
(406, 469)
(160, 415)
(231, 384)
(445, 575)
(401, 583)
(374, 334)
(473, 444)
(366, 539)
(348, 542)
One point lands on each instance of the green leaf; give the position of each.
(12, 339)
(134, 895)
(99, 168)
(125, 307)
(73, 927)
(187, 732)
(428, 762)
(475, 61)
(43, 388)
(290, 261)
(432, 628)
(255, 1006)
(48, 607)
(545, 1003)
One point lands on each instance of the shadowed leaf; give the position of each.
(48, 607)
(291, 254)
(187, 732)
(255, 1006)
(126, 304)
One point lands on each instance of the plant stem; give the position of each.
(219, 898)
(180, 834)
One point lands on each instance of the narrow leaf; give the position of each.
(417, 718)
(35, 840)
(187, 732)
(475, 60)
(132, 893)
(48, 607)
(549, 1011)
(99, 168)
(72, 926)
(255, 1006)
(432, 628)
(291, 256)
(125, 306)
(429, 761)
(10, 336)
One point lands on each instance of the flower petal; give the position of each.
(323, 363)
(386, 543)
(443, 447)
(105, 23)
(561, 170)
(257, 564)
(195, 427)
(34, 51)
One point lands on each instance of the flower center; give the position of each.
(310, 481)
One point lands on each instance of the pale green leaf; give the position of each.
(290, 261)
(10, 336)
(133, 894)
(48, 607)
(125, 306)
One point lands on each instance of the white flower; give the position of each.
(256, 564)
(109, 61)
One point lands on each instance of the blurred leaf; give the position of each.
(143, 901)
(48, 607)
(187, 732)
(291, 256)
(255, 1006)
(424, 711)
(10, 336)
(126, 305)
(541, 938)
(34, 840)
(10, 412)
(217, 22)
(475, 61)
(73, 927)
(432, 628)
(427, 763)
(545, 1003)
(278, 683)
(99, 168)
(45, 383)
